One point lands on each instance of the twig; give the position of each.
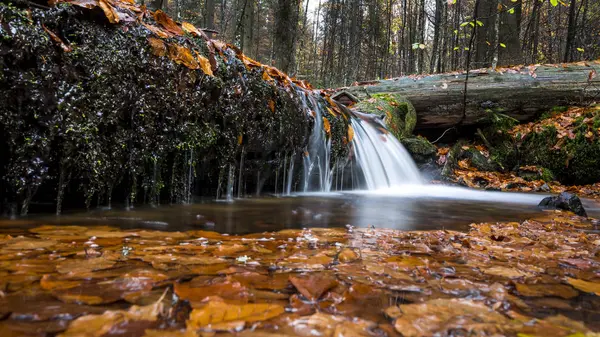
(443, 134)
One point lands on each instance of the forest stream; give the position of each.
(157, 182)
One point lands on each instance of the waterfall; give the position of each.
(382, 158)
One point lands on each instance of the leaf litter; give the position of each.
(538, 277)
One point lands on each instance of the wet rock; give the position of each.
(420, 149)
(479, 161)
(564, 201)
(399, 114)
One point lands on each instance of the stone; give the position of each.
(565, 201)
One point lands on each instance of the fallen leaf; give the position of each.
(169, 24)
(542, 290)
(159, 32)
(585, 286)
(157, 46)
(506, 272)
(326, 126)
(109, 11)
(182, 55)
(66, 48)
(313, 286)
(272, 105)
(440, 316)
(214, 314)
(350, 133)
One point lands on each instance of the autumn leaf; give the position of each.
(350, 133)
(159, 32)
(592, 75)
(505, 272)
(226, 290)
(169, 24)
(313, 286)
(189, 28)
(218, 315)
(182, 55)
(100, 325)
(66, 48)
(157, 46)
(204, 65)
(109, 11)
(272, 105)
(326, 126)
(542, 290)
(439, 315)
(585, 286)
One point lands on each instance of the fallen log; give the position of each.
(520, 92)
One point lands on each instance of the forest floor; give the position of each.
(570, 125)
(539, 277)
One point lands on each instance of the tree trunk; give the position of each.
(438, 99)
(286, 23)
(570, 33)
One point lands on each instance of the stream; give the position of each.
(411, 207)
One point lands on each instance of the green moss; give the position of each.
(421, 150)
(400, 115)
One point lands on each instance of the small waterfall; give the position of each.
(383, 160)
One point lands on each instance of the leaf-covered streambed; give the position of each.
(538, 277)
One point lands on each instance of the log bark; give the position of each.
(520, 92)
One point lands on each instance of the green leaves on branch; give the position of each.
(554, 3)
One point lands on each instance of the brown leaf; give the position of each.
(592, 75)
(99, 325)
(58, 40)
(109, 11)
(347, 255)
(226, 290)
(83, 265)
(218, 315)
(169, 24)
(159, 32)
(272, 105)
(182, 55)
(313, 286)
(542, 290)
(189, 28)
(440, 316)
(585, 286)
(505, 272)
(157, 46)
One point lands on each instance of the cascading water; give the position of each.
(384, 161)
(380, 159)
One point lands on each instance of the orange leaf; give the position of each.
(159, 32)
(58, 40)
(189, 28)
(182, 55)
(313, 286)
(204, 64)
(157, 46)
(164, 20)
(326, 126)
(350, 133)
(272, 105)
(109, 11)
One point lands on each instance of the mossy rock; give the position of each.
(573, 161)
(536, 173)
(400, 115)
(478, 160)
(421, 150)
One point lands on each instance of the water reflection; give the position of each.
(300, 211)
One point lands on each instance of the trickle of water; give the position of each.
(240, 176)
(290, 175)
(382, 158)
(230, 182)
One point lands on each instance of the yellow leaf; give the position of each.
(588, 287)
(216, 312)
(350, 133)
(205, 65)
(326, 126)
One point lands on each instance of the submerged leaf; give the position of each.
(588, 287)
(215, 314)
